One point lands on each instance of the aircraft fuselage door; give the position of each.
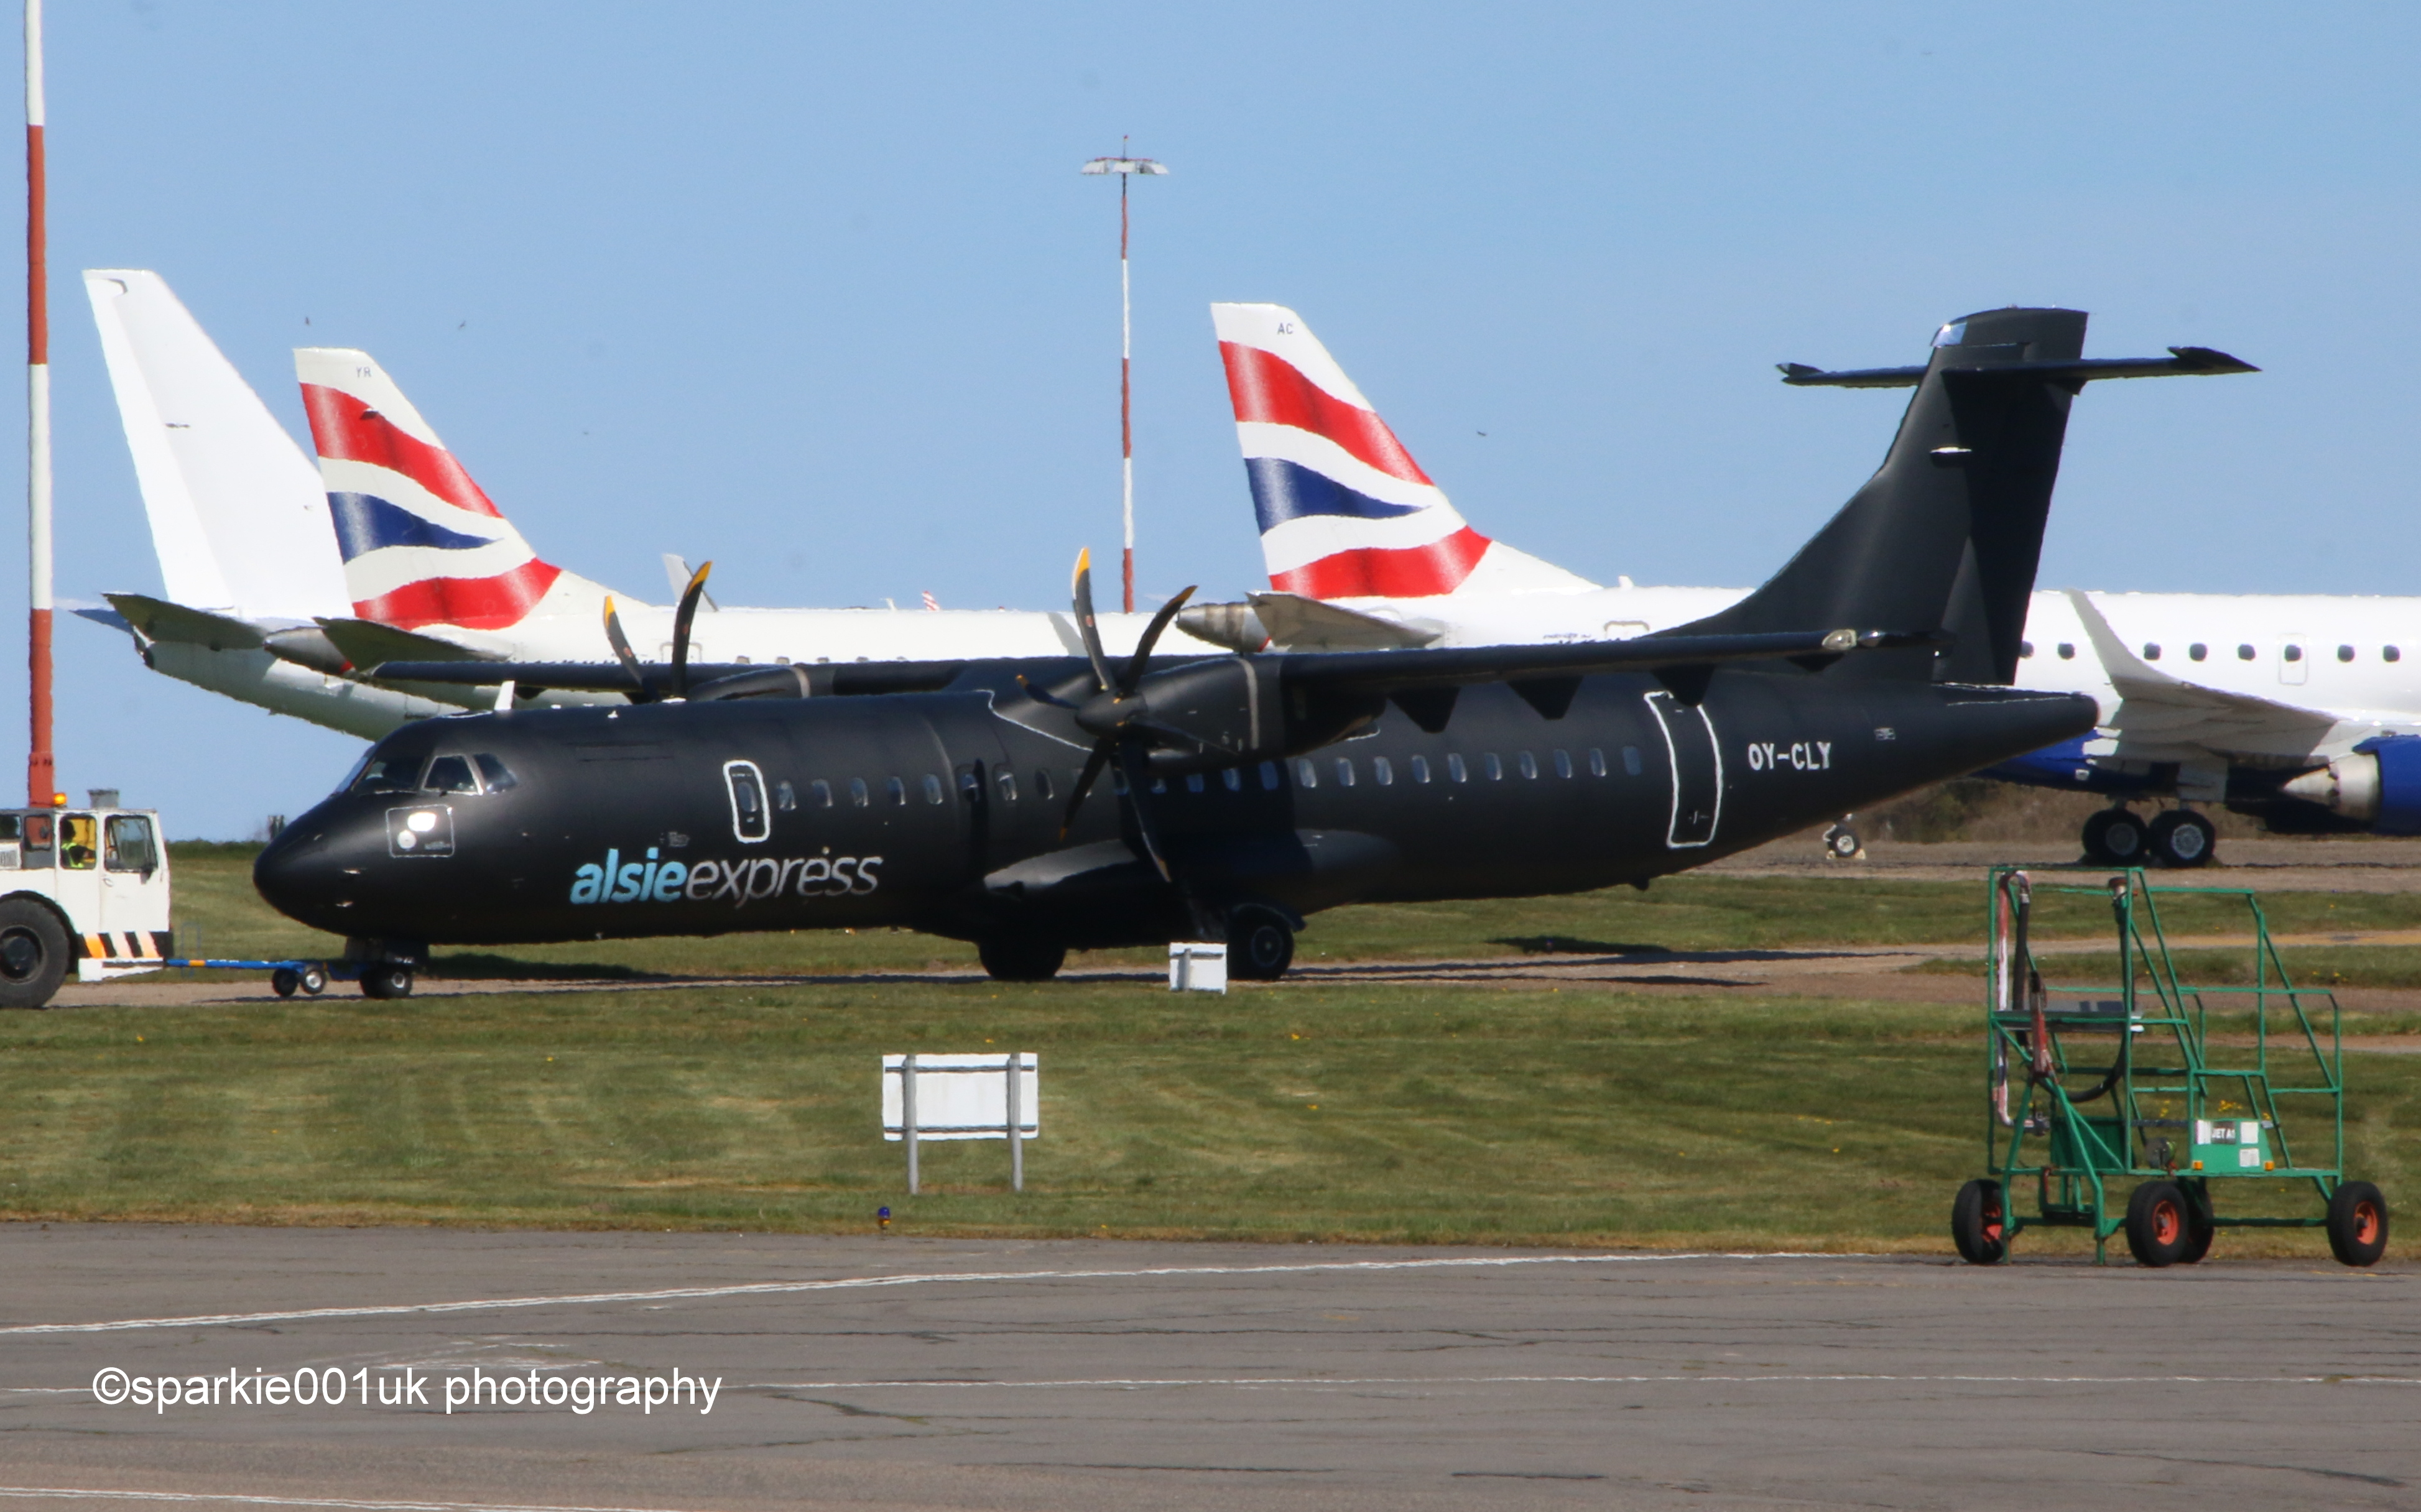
(1697, 769)
(2294, 657)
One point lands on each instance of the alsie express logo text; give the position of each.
(738, 883)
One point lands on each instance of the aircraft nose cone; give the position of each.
(300, 875)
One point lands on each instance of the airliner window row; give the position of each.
(2198, 651)
(1309, 772)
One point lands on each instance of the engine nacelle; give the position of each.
(2377, 784)
(1219, 713)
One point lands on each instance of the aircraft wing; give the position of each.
(158, 619)
(367, 644)
(2157, 705)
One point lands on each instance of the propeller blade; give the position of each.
(681, 618)
(1135, 763)
(1150, 638)
(1041, 694)
(621, 645)
(1083, 589)
(1084, 780)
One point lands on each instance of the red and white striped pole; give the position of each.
(1126, 168)
(41, 772)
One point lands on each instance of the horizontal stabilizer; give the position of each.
(157, 619)
(2182, 362)
(366, 643)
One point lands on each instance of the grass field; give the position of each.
(1418, 1113)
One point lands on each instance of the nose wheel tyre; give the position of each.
(387, 981)
(1978, 1223)
(2115, 837)
(1021, 960)
(1841, 843)
(285, 980)
(2182, 837)
(2357, 1223)
(1260, 945)
(33, 954)
(2159, 1223)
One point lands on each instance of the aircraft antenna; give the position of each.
(42, 772)
(1126, 168)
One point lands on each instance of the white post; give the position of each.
(41, 772)
(1016, 1125)
(907, 1114)
(1126, 395)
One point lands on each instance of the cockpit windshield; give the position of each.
(390, 772)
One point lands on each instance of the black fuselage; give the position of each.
(941, 812)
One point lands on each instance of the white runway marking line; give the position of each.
(82, 1494)
(1132, 1384)
(773, 1288)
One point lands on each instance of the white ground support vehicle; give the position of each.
(86, 888)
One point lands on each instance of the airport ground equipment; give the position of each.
(83, 889)
(2207, 1097)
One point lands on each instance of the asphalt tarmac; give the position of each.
(896, 1372)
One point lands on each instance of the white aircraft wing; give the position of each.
(2157, 707)
(239, 517)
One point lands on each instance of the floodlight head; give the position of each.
(1125, 165)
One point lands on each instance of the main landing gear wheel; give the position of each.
(1977, 1223)
(1020, 961)
(1841, 843)
(2159, 1224)
(2182, 837)
(1260, 944)
(33, 954)
(2357, 1223)
(387, 981)
(2115, 837)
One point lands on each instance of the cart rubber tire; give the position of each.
(2159, 1223)
(2200, 1230)
(2357, 1223)
(315, 980)
(2184, 838)
(34, 951)
(1019, 959)
(1979, 1223)
(387, 981)
(284, 980)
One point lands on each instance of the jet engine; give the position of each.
(2377, 785)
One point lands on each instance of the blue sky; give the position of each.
(822, 296)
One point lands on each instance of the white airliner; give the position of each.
(2303, 710)
(280, 578)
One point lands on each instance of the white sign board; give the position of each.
(963, 1097)
(1197, 966)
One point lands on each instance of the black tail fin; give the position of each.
(1945, 535)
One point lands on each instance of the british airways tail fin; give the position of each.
(422, 545)
(237, 516)
(1345, 511)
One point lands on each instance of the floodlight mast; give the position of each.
(1126, 168)
(42, 772)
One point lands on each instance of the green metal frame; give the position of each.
(2144, 1041)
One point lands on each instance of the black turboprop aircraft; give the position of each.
(1246, 791)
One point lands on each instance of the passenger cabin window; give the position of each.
(1306, 774)
(497, 777)
(390, 772)
(450, 774)
(2198, 651)
(1193, 783)
(2345, 653)
(1420, 768)
(79, 841)
(2244, 653)
(1563, 764)
(2294, 653)
(1042, 783)
(1344, 772)
(1455, 769)
(857, 791)
(1597, 761)
(820, 793)
(1527, 763)
(750, 823)
(1005, 780)
(968, 781)
(2026, 649)
(1494, 767)
(1632, 765)
(2389, 653)
(1383, 772)
(130, 845)
(2067, 651)
(896, 791)
(2151, 650)
(1232, 779)
(786, 798)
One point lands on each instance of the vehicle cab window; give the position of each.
(79, 841)
(38, 834)
(130, 844)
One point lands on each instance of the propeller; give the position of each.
(1113, 717)
(682, 618)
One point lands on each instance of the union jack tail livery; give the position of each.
(1346, 513)
(422, 545)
